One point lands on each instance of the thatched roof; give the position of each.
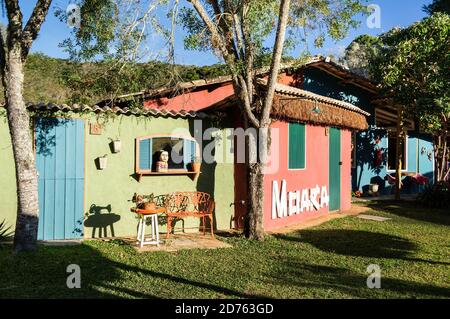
(292, 104)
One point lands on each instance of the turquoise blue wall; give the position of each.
(366, 172)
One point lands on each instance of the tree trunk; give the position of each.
(399, 159)
(257, 156)
(440, 156)
(26, 174)
(255, 229)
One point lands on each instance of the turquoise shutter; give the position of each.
(297, 146)
(188, 152)
(145, 154)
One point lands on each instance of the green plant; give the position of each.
(6, 233)
(436, 196)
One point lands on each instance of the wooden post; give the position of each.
(399, 157)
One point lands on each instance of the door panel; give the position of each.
(60, 163)
(335, 169)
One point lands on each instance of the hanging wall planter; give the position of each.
(102, 162)
(117, 145)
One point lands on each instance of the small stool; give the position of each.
(143, 217)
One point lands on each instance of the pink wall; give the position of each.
(346, 171)
(315, 173)
(192, 101)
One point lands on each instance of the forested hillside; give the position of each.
(60, 81)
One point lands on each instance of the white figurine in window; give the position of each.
(163, 164)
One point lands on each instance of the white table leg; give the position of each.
(143, 232)
(157, 230)
(153, 227)
(139, 230)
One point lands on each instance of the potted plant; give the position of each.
(149, 204)
(196, 163)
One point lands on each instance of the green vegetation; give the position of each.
(6, 233)
(60, 81)
(328, 261)
(412, 66)
(437, 6)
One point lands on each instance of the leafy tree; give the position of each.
(437, 6)
(238, 32)
(103, 19)
(412, 66)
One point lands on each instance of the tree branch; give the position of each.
(33, 25)
(246, 102)
(224, 26)
(276, 60)
(217, 40)
(14, 22)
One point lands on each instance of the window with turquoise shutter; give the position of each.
(145, 154)
(182, 152)
(297, 146)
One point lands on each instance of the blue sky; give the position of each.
(393, 13)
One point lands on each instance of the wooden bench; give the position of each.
(189, 204)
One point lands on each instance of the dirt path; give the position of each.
(354, 211)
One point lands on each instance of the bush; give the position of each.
(436, 196)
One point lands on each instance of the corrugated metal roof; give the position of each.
(116, 110)
(292, 91)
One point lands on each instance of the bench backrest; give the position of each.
(181, 202)
(184, 202)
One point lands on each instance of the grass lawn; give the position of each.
(329, 261)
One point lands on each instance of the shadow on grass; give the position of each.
(179, 280)
(348, 282)
(358, 244)
(413, 210)
(43, 275)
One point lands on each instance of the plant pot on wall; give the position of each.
(116, 146)
(195, 165)
(102, 162)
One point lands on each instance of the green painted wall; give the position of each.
(8, 202)
(115, 185)
(110, 191)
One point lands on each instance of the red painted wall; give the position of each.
(192, 101)
(315, 173)
(346, 174)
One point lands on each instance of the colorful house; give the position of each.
(91, 160)
(374, 152)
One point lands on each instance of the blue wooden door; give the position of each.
(335, 169)
(60, 163)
